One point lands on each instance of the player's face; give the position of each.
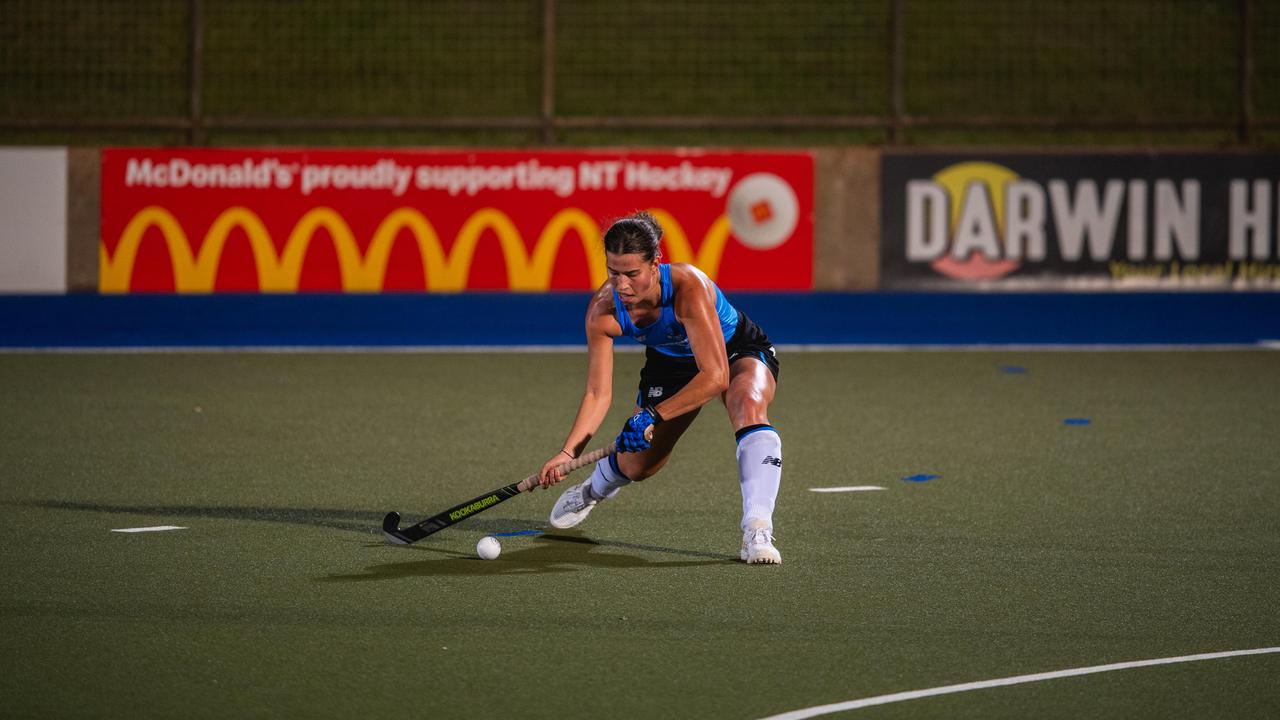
(635, 279)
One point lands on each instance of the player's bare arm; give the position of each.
(601, 329)
(695, 309)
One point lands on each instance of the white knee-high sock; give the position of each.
(607, 479)
(760, 472)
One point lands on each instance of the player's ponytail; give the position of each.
(638, 233)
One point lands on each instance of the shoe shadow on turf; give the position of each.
(549, 554)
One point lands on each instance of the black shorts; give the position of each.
(663, 375)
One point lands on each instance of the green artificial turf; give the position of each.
(1150, 532)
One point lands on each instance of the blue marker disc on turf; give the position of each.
(1076, 421)
(921, 478)
(518, 532)
(1013, 370)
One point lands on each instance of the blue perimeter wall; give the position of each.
(550, 319)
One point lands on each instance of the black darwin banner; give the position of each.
(1023, 221)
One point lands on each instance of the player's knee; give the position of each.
(750, 410)
(748, 394)
(649, 469)
(638, 467)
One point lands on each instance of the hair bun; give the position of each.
(638, 233)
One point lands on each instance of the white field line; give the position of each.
(313, 349)
(1002, 682)
(156, 528)
(1020, 347)
(784, 347)
(850, 488)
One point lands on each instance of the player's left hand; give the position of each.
(633, 436)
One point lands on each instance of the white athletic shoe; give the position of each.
(757, 545)
(573, 506)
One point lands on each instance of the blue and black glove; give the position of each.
(632, 438)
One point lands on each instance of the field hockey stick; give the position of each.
(434, 524)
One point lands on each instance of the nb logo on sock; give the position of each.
(771, 460)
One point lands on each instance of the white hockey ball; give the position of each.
(488, 548)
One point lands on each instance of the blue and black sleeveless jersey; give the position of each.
(666, 335)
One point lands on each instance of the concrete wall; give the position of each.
(84, 179)
(33, 220)
(847, 219)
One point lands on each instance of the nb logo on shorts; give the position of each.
(771, 460)
(655, 392)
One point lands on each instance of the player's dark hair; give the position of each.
(637, 233)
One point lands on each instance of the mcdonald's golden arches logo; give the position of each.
(444, 271)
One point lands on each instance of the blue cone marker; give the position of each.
(1076, 421)
(921, 478)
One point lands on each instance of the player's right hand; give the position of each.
(636, 432)
(550, 473)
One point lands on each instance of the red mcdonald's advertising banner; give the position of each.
(200, 221)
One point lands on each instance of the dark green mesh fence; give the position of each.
(1076, 59)
(73, 59)
(372, 58)
(668, 71)
(804, 57)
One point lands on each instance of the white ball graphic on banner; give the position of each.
(763, 211)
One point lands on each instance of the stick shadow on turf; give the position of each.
(550, 554)
(368, 523)
(361, 521)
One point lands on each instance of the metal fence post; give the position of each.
(1245, 129)
(548, 72)
(897, 71)
(195, 133)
